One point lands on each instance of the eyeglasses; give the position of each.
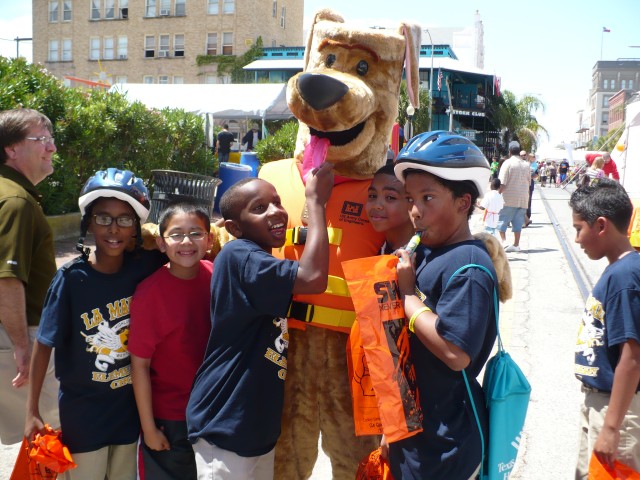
(43, 140)
(106, 220)
(179, 237)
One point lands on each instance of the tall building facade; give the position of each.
(155, 41)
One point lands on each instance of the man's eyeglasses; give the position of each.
(122, 221)
(179, 237)
(43, 140)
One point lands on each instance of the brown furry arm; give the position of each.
(500, 264)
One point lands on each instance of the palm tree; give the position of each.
(515, 118)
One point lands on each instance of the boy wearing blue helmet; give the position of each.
(451, 318)
(86, 319)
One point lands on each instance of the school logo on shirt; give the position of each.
(281, 344)
(109, 342)
(590, 336)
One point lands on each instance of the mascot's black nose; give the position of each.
(320, 91)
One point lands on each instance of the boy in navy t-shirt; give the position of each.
(607, 359)
(235, 407)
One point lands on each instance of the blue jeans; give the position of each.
(223, 157)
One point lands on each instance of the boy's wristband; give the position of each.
(415, 315)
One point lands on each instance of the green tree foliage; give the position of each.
(606, 142)
(233, 65)
(516, 118)
(281, 144)
(95, 130)
(420, 119)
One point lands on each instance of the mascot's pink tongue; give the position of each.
(314, 154)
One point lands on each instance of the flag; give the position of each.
(439, 80)
(606, 30)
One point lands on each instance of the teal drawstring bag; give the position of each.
(507, 393)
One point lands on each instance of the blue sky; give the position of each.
(547, 47)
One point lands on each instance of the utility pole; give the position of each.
(18, 40)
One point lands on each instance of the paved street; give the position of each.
(539, 327)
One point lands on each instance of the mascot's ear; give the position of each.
(412, 34)
(324, 14)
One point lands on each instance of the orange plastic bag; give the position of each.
(620, 471)
(374, 467)
(44, 459)
(384, 337)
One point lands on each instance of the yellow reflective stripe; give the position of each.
(292, 238)
(337, 286)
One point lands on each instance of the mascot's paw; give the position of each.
(500, 263)
(150, 231)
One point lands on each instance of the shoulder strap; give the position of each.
(500, 348)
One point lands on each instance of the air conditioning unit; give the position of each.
(165, 11)
(122, 57)
(163, 53)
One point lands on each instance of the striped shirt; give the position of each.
(515, 175)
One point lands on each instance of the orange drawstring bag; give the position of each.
(45, 458)
(374, 467)
(620, 471)
(384, 338)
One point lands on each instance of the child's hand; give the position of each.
(156, 440)
(406, 271)
(33, 426)
(606, 446)
(384, 447)
(320, 183)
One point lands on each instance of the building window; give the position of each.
(66, 10)
(121, 79)
(123, 9)
(163, 46)
(66, 50)
(147, 79)
(149, 46)
(210, 78)
(605, 101)
(605, 117)
(178, 79)
(274, 9)
(150, 8)
(53, 11)
(53, 51)
(95, 9)
(108, 48)
(605, 84)
(165, 7)
(227, 43)
(613, 84)
(178, 45)
(181, 8)
(109, 9)
(212, 7)
(212, 43)
(94, 48)
(630, 84)
(163, 79)
(283, 16)
(122, 47)
(228, 6)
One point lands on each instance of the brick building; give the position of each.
(155, 41)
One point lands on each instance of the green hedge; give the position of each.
(95, 130)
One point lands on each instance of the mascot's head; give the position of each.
(348, 91)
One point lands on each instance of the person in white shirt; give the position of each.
(492, 203)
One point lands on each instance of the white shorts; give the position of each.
(214, 463)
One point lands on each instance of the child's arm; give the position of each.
(313, 269)
(625, 384)
(424, 324)
(39, 364)
(153, 436)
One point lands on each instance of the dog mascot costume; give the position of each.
(346, 100)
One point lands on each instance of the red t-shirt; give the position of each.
(170, 324)
(609, 168)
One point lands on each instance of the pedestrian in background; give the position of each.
(27, 264)
(492, 204)
(251, 138)
(533, 166)
(553, 174)
(607, 358)
(225, 139)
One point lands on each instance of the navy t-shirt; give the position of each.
(611, 317)
(237, 396)
(86, 319)
(449, 447)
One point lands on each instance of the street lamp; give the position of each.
(410, 112)
(430, 81)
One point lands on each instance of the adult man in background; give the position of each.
(610, 169)
(252, 137)
(515, 178)
(533, 166)
(225, 139)
(27, 263)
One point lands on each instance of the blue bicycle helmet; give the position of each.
(445, 155)
(121, 184)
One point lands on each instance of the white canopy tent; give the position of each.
(626, 153)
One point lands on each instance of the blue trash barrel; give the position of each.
(251, 159)
(229, 173)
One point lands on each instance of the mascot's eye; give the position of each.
(331, 59)
(362, 68)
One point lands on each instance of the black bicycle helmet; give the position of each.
(121, 184)
(445, 155)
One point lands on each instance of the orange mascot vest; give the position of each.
(350, 236)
